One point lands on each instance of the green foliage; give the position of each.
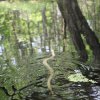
(21, 24)
(3, 95)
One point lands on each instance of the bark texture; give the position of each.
(78, 25)
(75, 32)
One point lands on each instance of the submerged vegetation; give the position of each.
(49, 50)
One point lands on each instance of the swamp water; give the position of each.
(23, 76)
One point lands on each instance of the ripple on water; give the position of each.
(95, 92)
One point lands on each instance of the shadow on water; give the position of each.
(67, 90)
(24, 77)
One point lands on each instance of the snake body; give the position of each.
(50, 69)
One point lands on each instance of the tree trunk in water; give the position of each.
(30, 36)
(76, 21)
(75, 33)
(44, 22)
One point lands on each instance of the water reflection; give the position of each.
(39, 50)
(1, 49)
(95, 92)
(13, 60)
(47, 49)
(30, 68)
(34, 44)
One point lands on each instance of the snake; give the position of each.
(50, 70)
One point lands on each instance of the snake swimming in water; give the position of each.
(50, 69)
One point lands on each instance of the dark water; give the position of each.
(75, 91)
(24, 77)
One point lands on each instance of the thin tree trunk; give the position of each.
(15, 40)
(30, 37)
(44, 21)
(65, 36)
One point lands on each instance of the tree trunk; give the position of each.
(75, 33)
(30, 36)
(77, 24)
